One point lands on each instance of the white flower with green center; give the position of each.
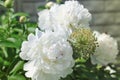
(107, 51)
(49, 56)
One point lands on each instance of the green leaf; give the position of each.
(1, 3)
(41, 8)
(7, 44)
(4, 62)
(19, 14)
(16, 77)
(17, 67)
(1, 60)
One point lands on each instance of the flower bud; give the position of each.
(8, 3)
(22, 19)
(58, 1)
(49, 5)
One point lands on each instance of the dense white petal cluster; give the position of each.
(71, 15)
(49, 56)
(45, 22)
(107, 51)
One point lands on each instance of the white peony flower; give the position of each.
(49, 56)
(29, 48)
(107, 51)
(45, 21)
(71, 15)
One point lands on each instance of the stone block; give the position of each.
(112, 5)
(117, 18)
(29, 8)
(118, 40)
(113, 30)
(94, 5)
(103, 18)
(34, 18)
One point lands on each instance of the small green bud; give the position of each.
(49, 5)
(58, 1)
(22, 19)
(8, 3)
(83, 42)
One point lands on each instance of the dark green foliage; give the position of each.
(12, 34)
(84, 70)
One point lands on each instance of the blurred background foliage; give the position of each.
(14, 29)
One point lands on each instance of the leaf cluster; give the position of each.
(12, 34)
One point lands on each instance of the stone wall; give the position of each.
(28, 6)
(105, 13)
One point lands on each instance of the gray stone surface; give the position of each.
(104, 18)
(112, 5)
(93, 5)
